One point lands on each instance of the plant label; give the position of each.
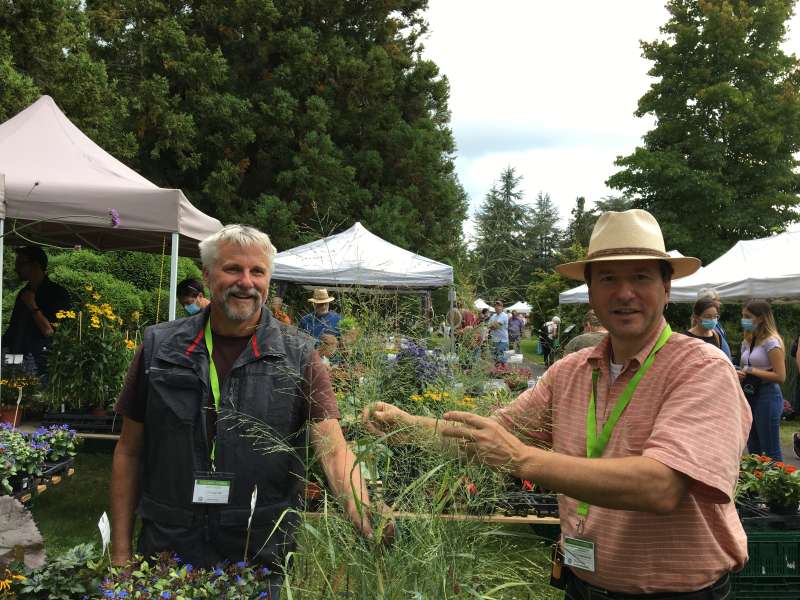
(579, 554)
(105, 531)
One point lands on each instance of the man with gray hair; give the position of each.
(218, 408)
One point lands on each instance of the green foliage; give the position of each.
(44, 50)
(276, 114)
(149, 271)
(76, 573)
(719, 166)
(81, 260)
(545, 287)
(122, 295)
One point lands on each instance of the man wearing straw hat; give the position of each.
(646, 431)
(323, 321)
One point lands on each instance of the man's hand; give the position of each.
(484, 439)
(381, 418)
(28, 297)
(374, 522)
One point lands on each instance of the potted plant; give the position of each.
(89, 355)
(15, 391)
(776, 483)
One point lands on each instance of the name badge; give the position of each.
(579, 554)
(212, 488)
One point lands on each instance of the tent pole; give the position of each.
(173, 275)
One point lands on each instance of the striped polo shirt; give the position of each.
(689, 413)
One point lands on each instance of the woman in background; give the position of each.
(762, 369)
(705, 316)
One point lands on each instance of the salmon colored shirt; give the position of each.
(688, 413)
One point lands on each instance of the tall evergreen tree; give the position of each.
(44, 49)
(542, 235)
(719, 166)
(291, 114)
(579, 228)
(499, 251)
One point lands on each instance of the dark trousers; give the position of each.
(577, 589)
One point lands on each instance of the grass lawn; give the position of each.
(528, 348)
(67, 514)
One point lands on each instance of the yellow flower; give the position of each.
(135, 315)
(95, 322)
(61, 314)
(70, 314)
(96, 296)
(130, 344)
(88, 288)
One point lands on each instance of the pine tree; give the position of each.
(719, 165)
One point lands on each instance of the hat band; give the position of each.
(627, 251)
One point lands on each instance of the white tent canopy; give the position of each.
(52, 173)
(763, 268)
(356, 257)
(580, 294)
(521, 307)
(480, 304)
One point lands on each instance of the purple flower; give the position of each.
(114, 217)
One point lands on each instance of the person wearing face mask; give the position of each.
(705, 317)
(761, 371)
(191, 296)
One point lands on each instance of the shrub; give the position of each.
(149, 271)
(81, 260)
(122, 295)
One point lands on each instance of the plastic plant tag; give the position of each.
(105, 531)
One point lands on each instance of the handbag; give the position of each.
(750, 386)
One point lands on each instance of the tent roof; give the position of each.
(480, 304)
(356, 257)
(53, 172)
(762, 268)
(520, 306)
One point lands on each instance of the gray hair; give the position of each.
(241, 235)
(708, 293)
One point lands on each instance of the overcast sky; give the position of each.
(548, 87)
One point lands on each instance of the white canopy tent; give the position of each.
(58, 187)
(356, 257)
(763, 268)
(520, 307)
(580, 294)
(480, 304)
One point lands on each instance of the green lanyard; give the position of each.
(595, 446)
(212, 374)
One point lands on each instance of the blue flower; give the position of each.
(264, 571)
(218, 572)
(165, 595)
(189, 568)
(241, 564)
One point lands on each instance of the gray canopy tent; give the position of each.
(58, 187)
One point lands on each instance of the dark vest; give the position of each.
(261, 438)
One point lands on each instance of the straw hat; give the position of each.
(630, 235)
(321, 297)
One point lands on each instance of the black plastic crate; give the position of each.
(85, 422)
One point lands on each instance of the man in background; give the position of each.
(30, 327)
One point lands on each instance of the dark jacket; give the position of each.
(260, 439)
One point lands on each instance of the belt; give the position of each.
(577, 589)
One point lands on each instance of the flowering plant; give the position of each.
(61, 440)
(515, 378)
(168, 578)
(89, 355)
(778, 484)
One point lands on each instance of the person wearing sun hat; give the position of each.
(646, 431)
(322, 320)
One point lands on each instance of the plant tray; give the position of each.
(60, 468)
(85, 422)
(529, 503)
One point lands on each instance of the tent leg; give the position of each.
(173, 276)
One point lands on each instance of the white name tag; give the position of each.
(211, 491)
(579, 554)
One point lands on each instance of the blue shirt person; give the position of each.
(322, 320)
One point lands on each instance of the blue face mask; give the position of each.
(192, 309)
(708, 324)
(747, 325)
